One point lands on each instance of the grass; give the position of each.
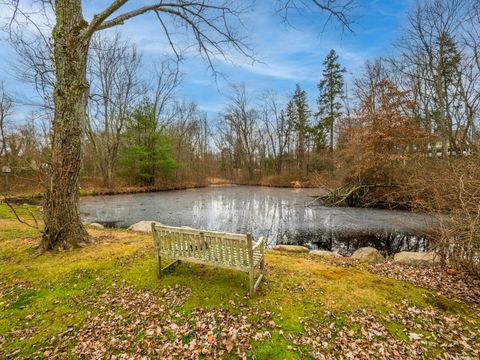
(57, 293)
(24, 211)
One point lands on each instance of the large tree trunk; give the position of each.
(63, 227)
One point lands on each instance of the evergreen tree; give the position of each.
(447, 61)
(147, 153)
(329, 100)
(298, 114)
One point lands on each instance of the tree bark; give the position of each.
(63, 226)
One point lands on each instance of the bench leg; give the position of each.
(252, 281)
(159, 265)
(260, 276)
(254, 284)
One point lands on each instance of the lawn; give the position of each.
(104, 301)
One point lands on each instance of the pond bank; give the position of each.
(35, 197)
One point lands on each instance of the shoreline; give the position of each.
(36, 197)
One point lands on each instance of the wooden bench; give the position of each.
(223, 250)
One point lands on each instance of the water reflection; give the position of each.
(282, 215)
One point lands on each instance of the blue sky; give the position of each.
(287, 54)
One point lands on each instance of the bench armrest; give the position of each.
(260, 244)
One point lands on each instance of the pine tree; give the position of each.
(146, 153)
(329, 100)
(447, 60)
(298, 114)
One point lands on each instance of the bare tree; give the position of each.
(29, 33)
(277, 128)
(167, 80)
(470, 85)
(239, 130)
(6, 107)
(25, 146)
(439, 70)
(189, 132)
(114, 88)
(366, 84)
(213, 26)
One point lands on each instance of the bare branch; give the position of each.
(336, 10)
(100, 18)
(120, 20)
(36, 226)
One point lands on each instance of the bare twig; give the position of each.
(12, 208)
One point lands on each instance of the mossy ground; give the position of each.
(54, 293)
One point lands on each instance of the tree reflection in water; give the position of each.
(282, 215)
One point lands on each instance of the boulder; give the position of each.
(143, 226)
(325, 253)
(291, 248)
(96, 225)
(416, 258)
(368, 254)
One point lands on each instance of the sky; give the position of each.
(285, 54)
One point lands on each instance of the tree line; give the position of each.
(421, 103)
(142, 133)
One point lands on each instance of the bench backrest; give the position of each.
(226, 249)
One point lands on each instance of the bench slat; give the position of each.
(220, 249)
(187, 230)
(239, 253)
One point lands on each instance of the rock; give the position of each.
(325, 253)
(416, 258)
(96, 226)
(368, 254)
(143, 226)
(291, 248)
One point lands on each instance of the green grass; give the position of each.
(23, 210)
(55, 292)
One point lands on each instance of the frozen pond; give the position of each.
(282, 215)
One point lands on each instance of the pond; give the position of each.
(282, 215)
